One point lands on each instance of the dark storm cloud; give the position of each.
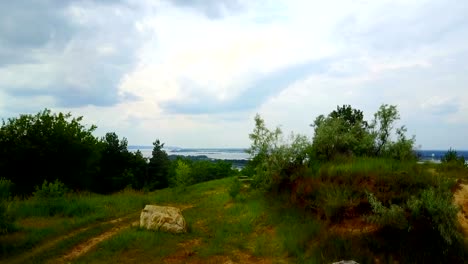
(74, 51)
(26, 25)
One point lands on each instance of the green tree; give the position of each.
(402, 148)
(48, 146)
(183, 175)
(264, 141)
(383, 123)
(343, 132)
(451, 159)
(276, 161)
(382, 128)
(139, 166)
(116, 172)
(158, 168)
(351, 117)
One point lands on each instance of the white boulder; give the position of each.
(163, 218)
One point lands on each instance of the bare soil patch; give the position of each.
(354, 226)
(461, 199)
(86, 246)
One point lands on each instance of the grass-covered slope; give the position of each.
(368, 210)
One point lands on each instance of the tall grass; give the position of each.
(44, 216)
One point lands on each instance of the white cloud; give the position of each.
(194, 73)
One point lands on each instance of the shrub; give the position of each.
(6, 219)
(438, 208)
(50, 190)
(235, 188)
(394, 216)
(335, 200)
(451, 160)
(50, 198)
(432, 210)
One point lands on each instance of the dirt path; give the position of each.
(461, 199)
(86, 246)
(118, 225)
(44, 247)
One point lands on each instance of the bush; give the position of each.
(50, 200)
(235, 188)
(183, 175)
(394, 216)
(439, 210)
(433, 210)
(6, 219)
(51, 190)
(451, 160)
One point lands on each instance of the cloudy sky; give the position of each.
(195, 72)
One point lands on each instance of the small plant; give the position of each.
(50, 190)
(235, 188)
(334, 200)
(50, 198)
(452, 160)
(386, 217)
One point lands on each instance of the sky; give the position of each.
(193, 73)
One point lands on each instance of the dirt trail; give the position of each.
(119, 225)
(44, 247)
(461, 199)
(86, 246)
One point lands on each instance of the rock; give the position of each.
(163, 218)
(346, 262)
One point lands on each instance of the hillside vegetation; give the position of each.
(353, 191)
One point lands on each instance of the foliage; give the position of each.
(50, 190)
(183, 175)
(343, 132)
(431, 210)
(437, 207)
(47, 146)
(394, 216)
(334, 200)
(383, 124)
(275, 160)
(158, 168)
(402, 148)
(451, 160)
(5, 189)
(234, 188)
(202, 170)
(119, 167)
(6, 219)
(264, 141)
(210, 170)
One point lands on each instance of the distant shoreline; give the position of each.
(240, 153)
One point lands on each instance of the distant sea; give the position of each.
(436, 155)
(212, 153)
(240, 154)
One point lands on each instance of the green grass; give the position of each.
(299, 226)
(36, 224)
(220, 227)
(132, 245)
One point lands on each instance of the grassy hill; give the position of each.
(250, 228)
